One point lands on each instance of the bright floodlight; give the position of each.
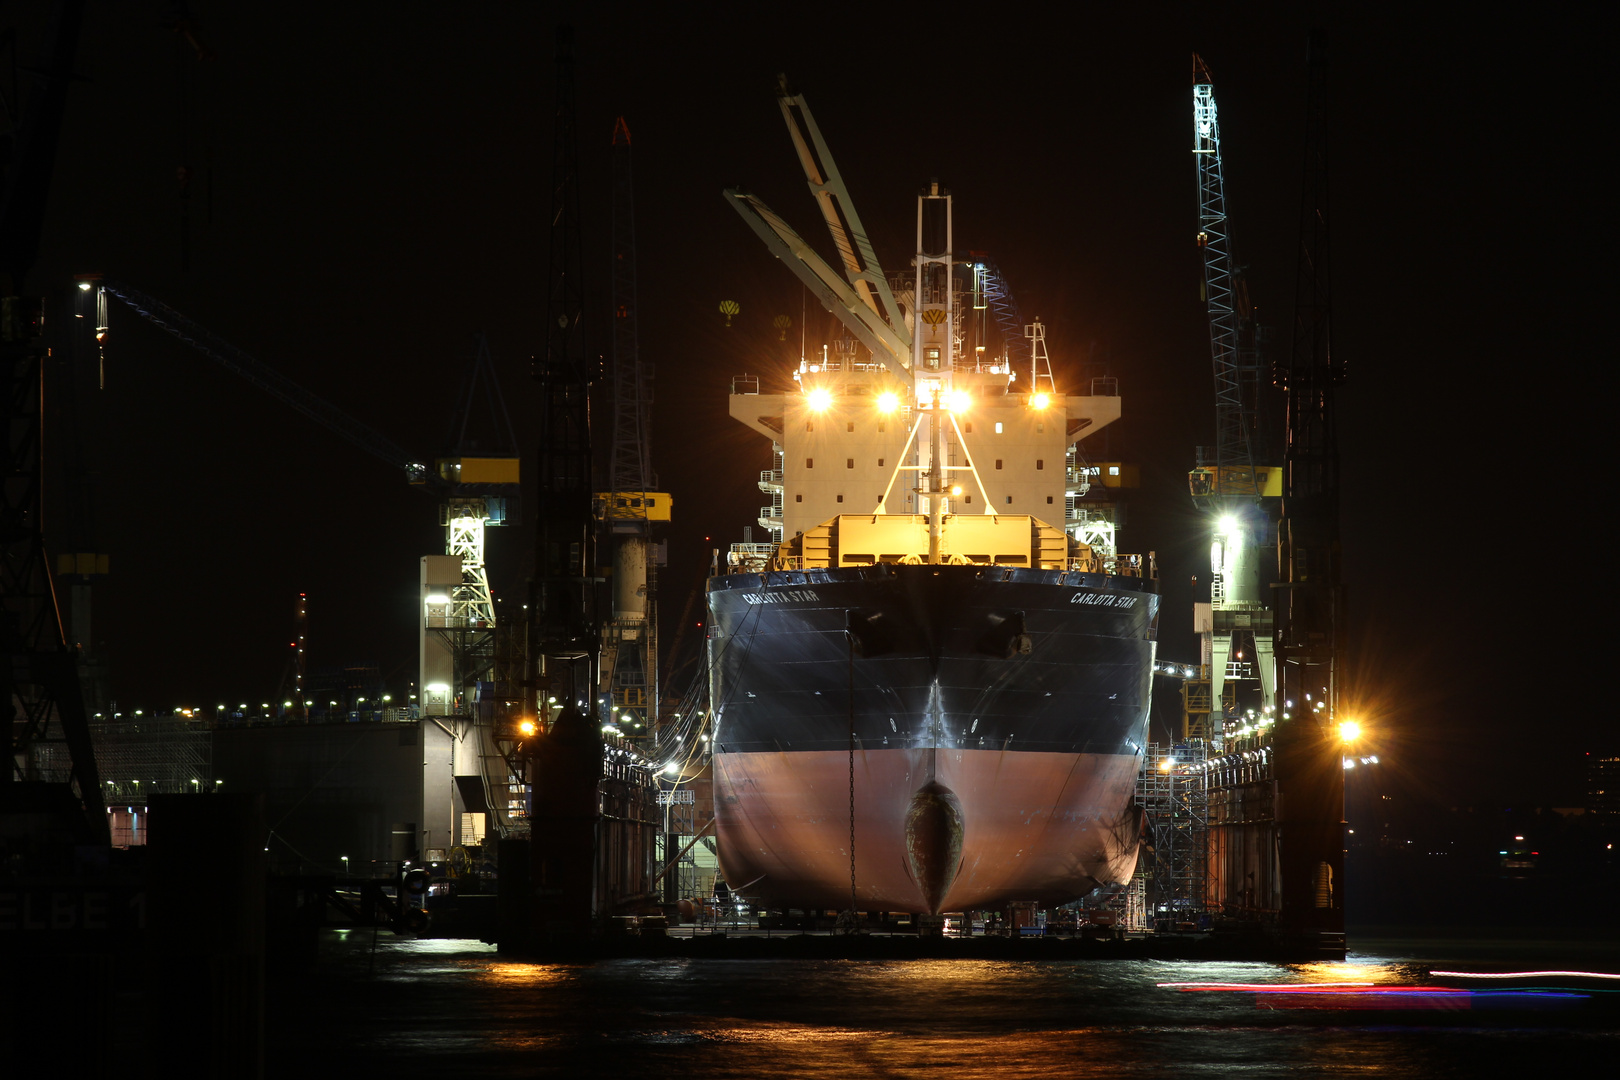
(888, 401)
(84, 286)
(958, 400)
(1041, 401)
(438, 598)
(526, 727)
(1349, 731)
(1227, 525)
(956, 489)
(820, 398)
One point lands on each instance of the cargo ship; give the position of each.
(930, 687)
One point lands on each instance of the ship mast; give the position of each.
(933, 344)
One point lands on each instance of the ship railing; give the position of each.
(745, 384)
(748, 558)
(770, 478)
(1116, 565)
(770, 511)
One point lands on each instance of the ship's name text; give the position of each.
(1104, 599)
(786, 596)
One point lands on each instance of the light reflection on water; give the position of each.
(460, 1006)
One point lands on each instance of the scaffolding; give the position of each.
(1170, 877)
(157, 756)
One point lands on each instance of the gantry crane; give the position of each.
(1231, 481)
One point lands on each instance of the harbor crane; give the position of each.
(47, 762)
(630, 510)
(1274, 782)
(1232, 480)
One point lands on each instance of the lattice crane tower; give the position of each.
(1231, 479)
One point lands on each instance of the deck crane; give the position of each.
(881, 319)
(476, 479)
(1231, 480)
(860, 296)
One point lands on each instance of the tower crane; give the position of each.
(1231, 481)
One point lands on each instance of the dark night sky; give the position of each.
(373, 187)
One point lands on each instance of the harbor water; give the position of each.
(456, 1007)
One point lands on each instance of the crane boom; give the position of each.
(827, 185)
(269, 380)
(1235, 367)
(888, 347)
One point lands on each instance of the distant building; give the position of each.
(1603, 785)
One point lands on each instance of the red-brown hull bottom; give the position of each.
(1047, 827)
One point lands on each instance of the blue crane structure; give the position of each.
(1240, 430)
(1273, 780)
(1230, 480)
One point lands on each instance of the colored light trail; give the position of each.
(1525, 974)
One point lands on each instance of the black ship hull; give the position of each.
(997, 719)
